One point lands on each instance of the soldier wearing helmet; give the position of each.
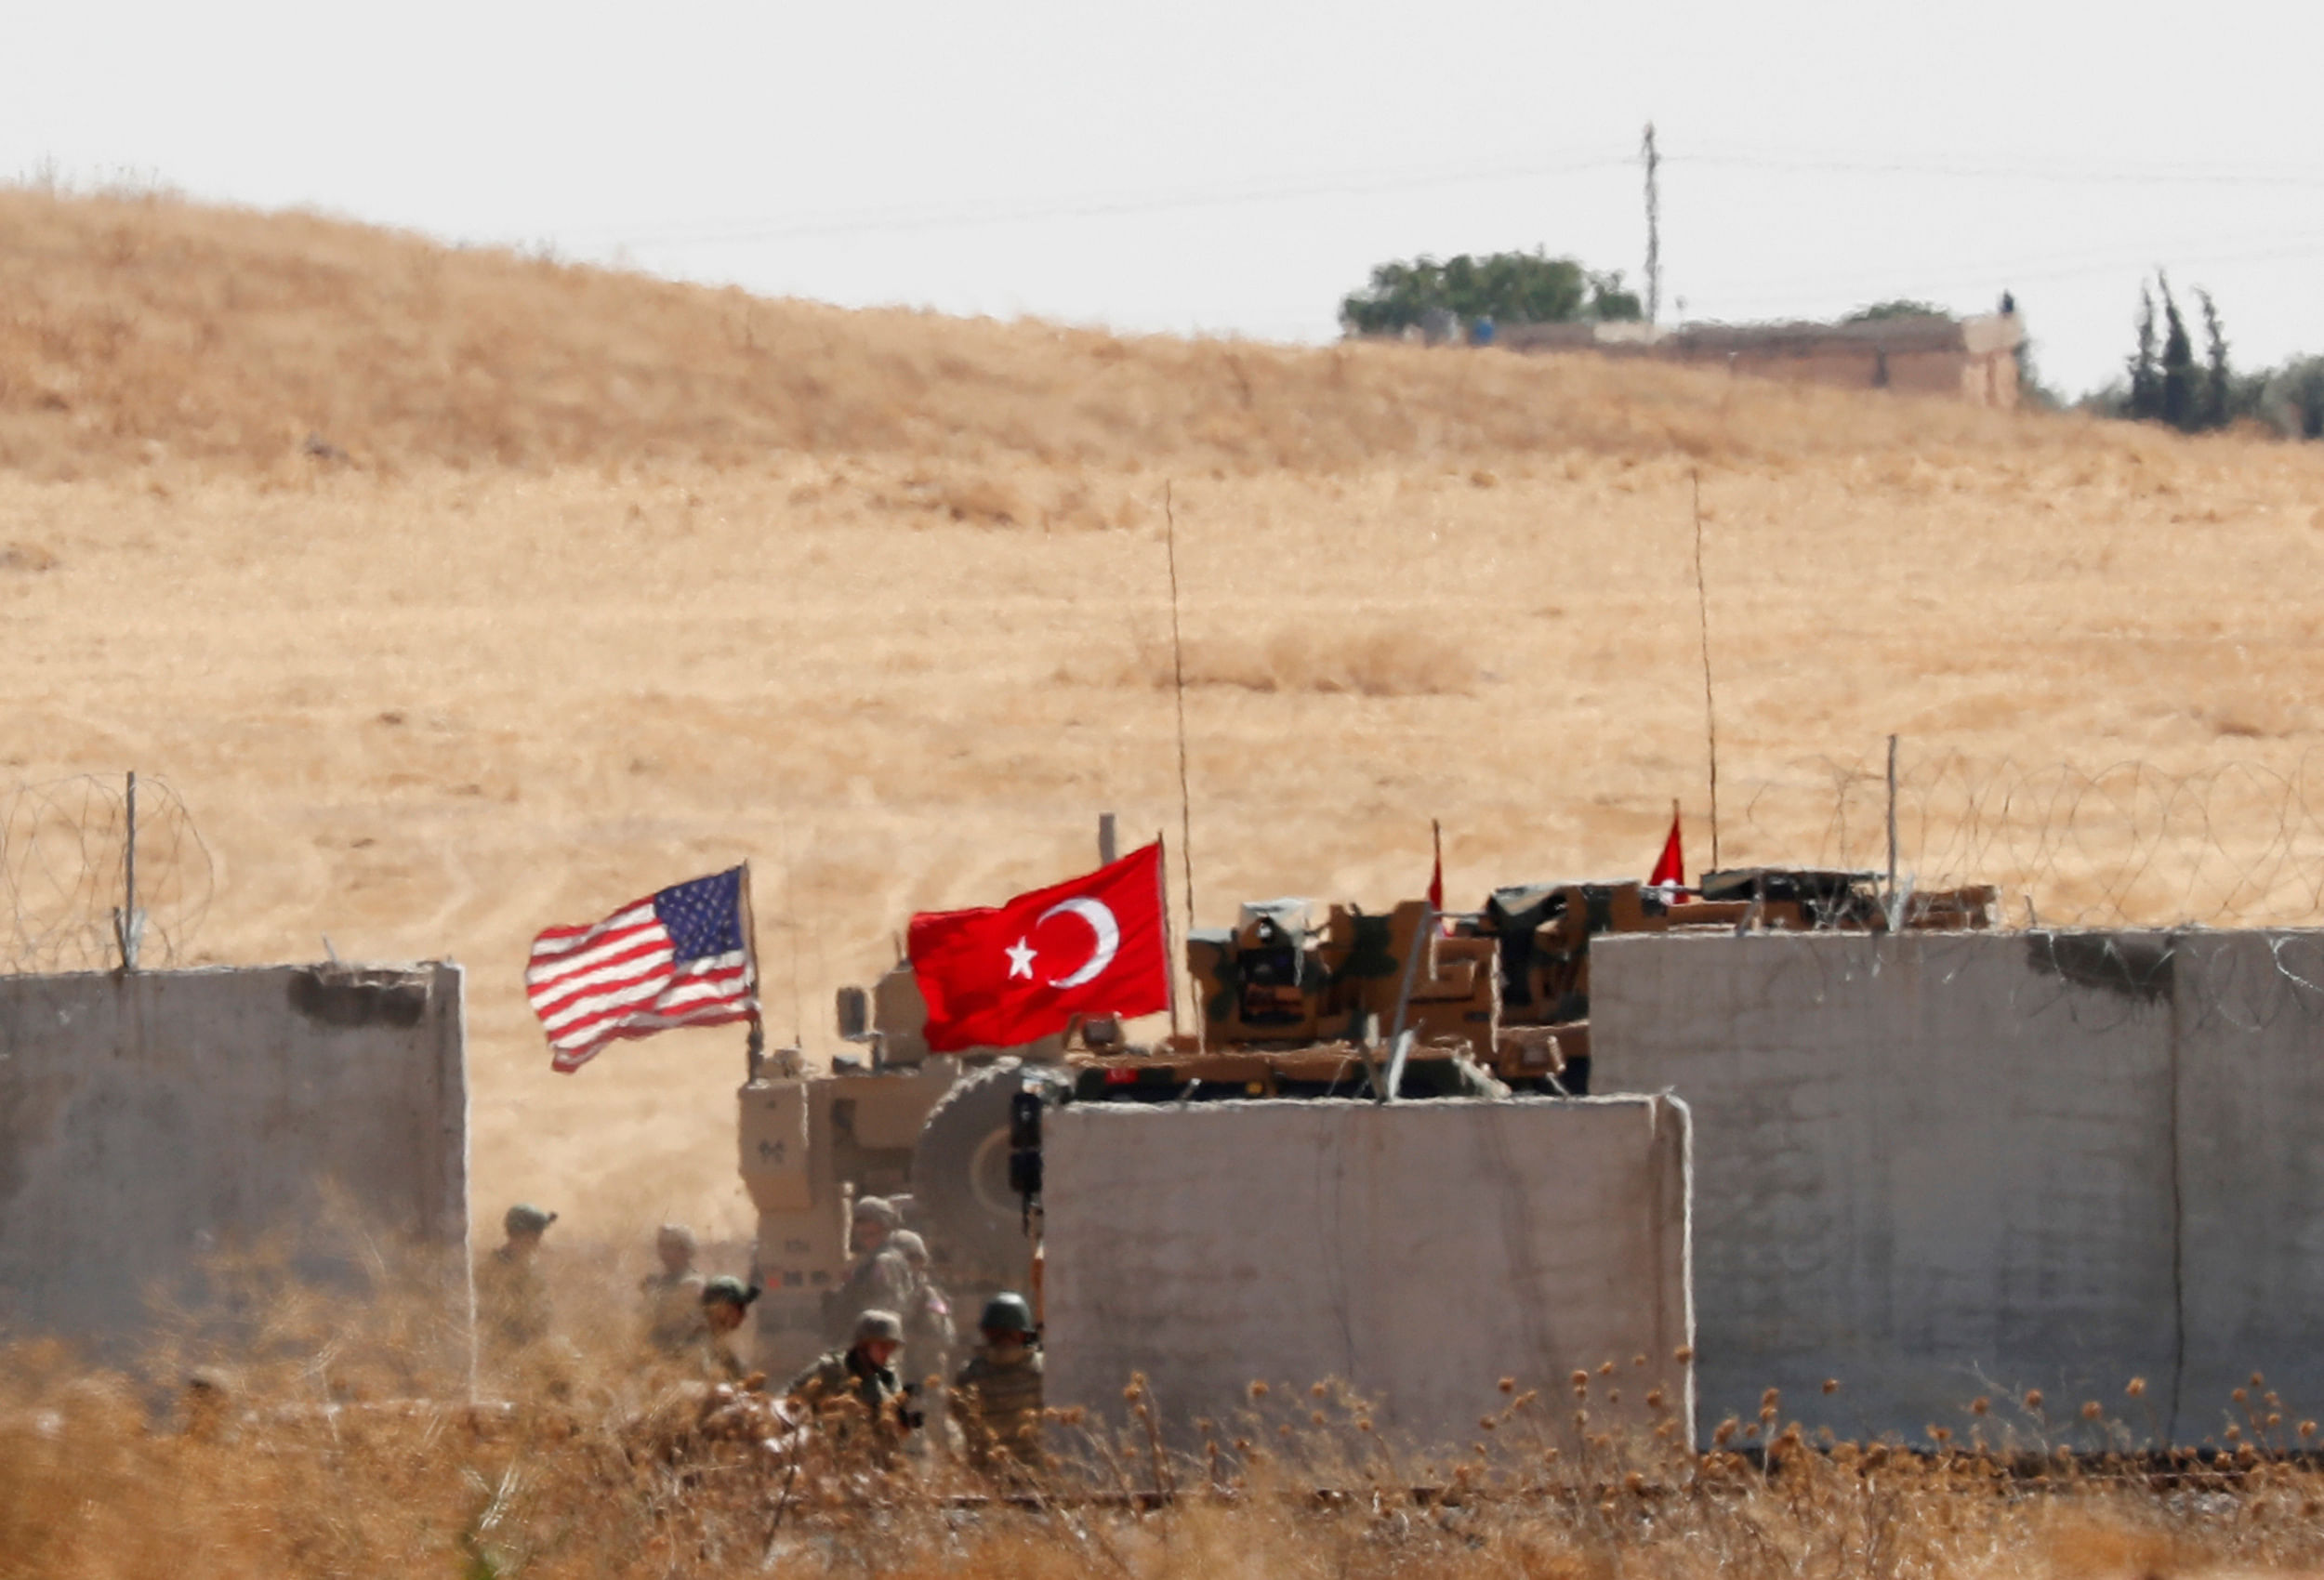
(721, 1306)
(882, 1279)
(673, 1297)
(927, 1312)
(511, 1297)
(997, 1398)
(853, 1393)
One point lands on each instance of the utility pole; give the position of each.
(1654, 226)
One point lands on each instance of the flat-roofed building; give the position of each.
(1968, 359)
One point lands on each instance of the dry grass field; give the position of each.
(607, 1469)
(459, 593)
(589, 583)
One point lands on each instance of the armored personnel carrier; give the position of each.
(1296, 1000)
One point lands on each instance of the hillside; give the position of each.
(591, 583)
(144, 330)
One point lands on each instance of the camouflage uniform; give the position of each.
(673, 1310)
(716, 1350)
(855, 1402)
(714, 1344)
(927, 1313)
(512, 1300)
(882, 1281)
(996, 1399)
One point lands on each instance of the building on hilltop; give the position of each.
(1969, 359)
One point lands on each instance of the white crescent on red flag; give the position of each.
(1007, 974)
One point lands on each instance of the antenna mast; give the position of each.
(1654, 226)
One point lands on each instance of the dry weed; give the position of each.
(611, 1469)
(1368, 663)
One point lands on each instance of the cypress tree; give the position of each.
(2146, 377)
(2219, 380)
(2178, 362)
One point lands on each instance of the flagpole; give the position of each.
(1711, 706)
(1169, 944)
(755, 1049)
(1178, 673)
(1436, 874)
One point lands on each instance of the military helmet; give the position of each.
(879, 1324)
(675, 1234)
(915, 1249)
(1008, 1313)
(878, 1210)
(733, 1291)
(527, 1218)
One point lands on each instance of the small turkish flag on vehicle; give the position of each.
(1005, 975)
(1670, 867)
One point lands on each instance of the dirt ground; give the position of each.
(426, 695)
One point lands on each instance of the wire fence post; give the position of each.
(93, 866)
(125, 925)
(1892, 826)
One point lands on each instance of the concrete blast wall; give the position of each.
(1940, 1166)
(1419, 1251)
(150, 1121)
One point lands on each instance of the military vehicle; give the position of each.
(1293, 1001)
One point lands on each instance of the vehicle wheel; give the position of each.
(960, 1180)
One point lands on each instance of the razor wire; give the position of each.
(65, 865)
(2130, 843)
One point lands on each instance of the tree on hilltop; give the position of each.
(1505, 287)
(2144, 399)
(2219, 379)
(2178, 362)
(2168, 385)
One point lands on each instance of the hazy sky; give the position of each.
(1237, 167)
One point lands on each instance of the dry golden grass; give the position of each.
(619, 581)
(142, 331)
(604, 1468)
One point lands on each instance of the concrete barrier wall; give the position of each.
(1418, 1251)
(2248, 1015)
(152, 1120)
(1937, 1168)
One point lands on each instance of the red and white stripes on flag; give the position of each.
(678, 957)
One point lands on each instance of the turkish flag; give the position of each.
(1008, 974)
(1670, 867)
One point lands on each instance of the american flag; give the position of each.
(675, 958)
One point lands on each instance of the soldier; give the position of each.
(880, 1282)
(927, 1311)
(853, 1393)
(719, 1310)
(511, 1297)
(997, 1398)
(673, 1297)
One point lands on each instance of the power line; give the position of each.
(2011, 171)
(963, 217)
(713, 231)
(737, 231)
(2055, 267)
